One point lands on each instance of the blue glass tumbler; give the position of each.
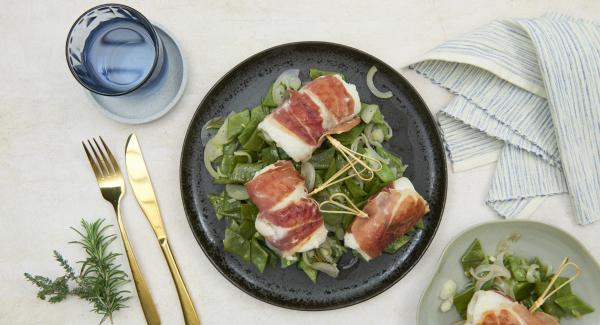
(113, 50)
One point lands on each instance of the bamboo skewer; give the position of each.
(352, 209)
(545, 295)
(353, 158)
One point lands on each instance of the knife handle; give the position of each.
(148, 307)
(189, 312)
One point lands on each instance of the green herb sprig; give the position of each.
(100, 279)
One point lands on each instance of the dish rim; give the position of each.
(444, 171)
(437, 268)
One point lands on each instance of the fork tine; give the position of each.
(107, 163)
(114, 163)
(101, 166)
(92, 162)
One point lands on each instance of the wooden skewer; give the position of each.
(352, 209)
(333, 179)
(545, 295)
(353, 158)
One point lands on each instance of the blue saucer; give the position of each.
(149, 103)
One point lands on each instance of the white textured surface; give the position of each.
(47, 185)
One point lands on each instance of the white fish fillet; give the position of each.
(295, 147)
(275, 232)
(351, 89)
(485, 302)
(315, 240)
(401, 184)
(350, 242)
(329, 121)
(285, 139)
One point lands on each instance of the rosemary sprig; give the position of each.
(57, 289)
(100, 279)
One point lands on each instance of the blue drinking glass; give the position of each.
(112, 50)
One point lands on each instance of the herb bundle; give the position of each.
(100, 279)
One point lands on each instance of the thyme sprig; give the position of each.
(100, 279)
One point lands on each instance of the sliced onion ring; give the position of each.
(210, 129)
(307, 170)
(497, 270)
(491, 271)
(390, 132)
(329, 269)
(503, 286)
(288, 79)
(214, 148)
(212, 152)
(378, 93)
(533, 274)
(367, 113)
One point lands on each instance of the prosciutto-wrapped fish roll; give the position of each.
(492, 308)
(298, 125)
(391, 213)
(288, 219)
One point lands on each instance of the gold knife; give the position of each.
(144, 193)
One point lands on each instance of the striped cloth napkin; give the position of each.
(527, 96)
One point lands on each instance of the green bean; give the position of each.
(237, 122)
(316, 73)
(473, 256)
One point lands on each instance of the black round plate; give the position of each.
(416, 139)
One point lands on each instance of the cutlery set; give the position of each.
(112, 187)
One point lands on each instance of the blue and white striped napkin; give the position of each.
(527, 96)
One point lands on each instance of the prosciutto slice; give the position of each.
(391, 213)
(298, 125)
(288, 219)
(493, 308)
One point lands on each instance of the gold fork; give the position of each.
(112, 187)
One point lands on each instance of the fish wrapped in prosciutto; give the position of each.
(391, 213)
(298, 125)
(493, 308)
(288, 219)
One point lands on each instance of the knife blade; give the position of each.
(144, 194)
(142, 185)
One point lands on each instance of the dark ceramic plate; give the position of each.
(416, 139)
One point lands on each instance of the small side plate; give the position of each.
(149, 102)
(548, 243)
